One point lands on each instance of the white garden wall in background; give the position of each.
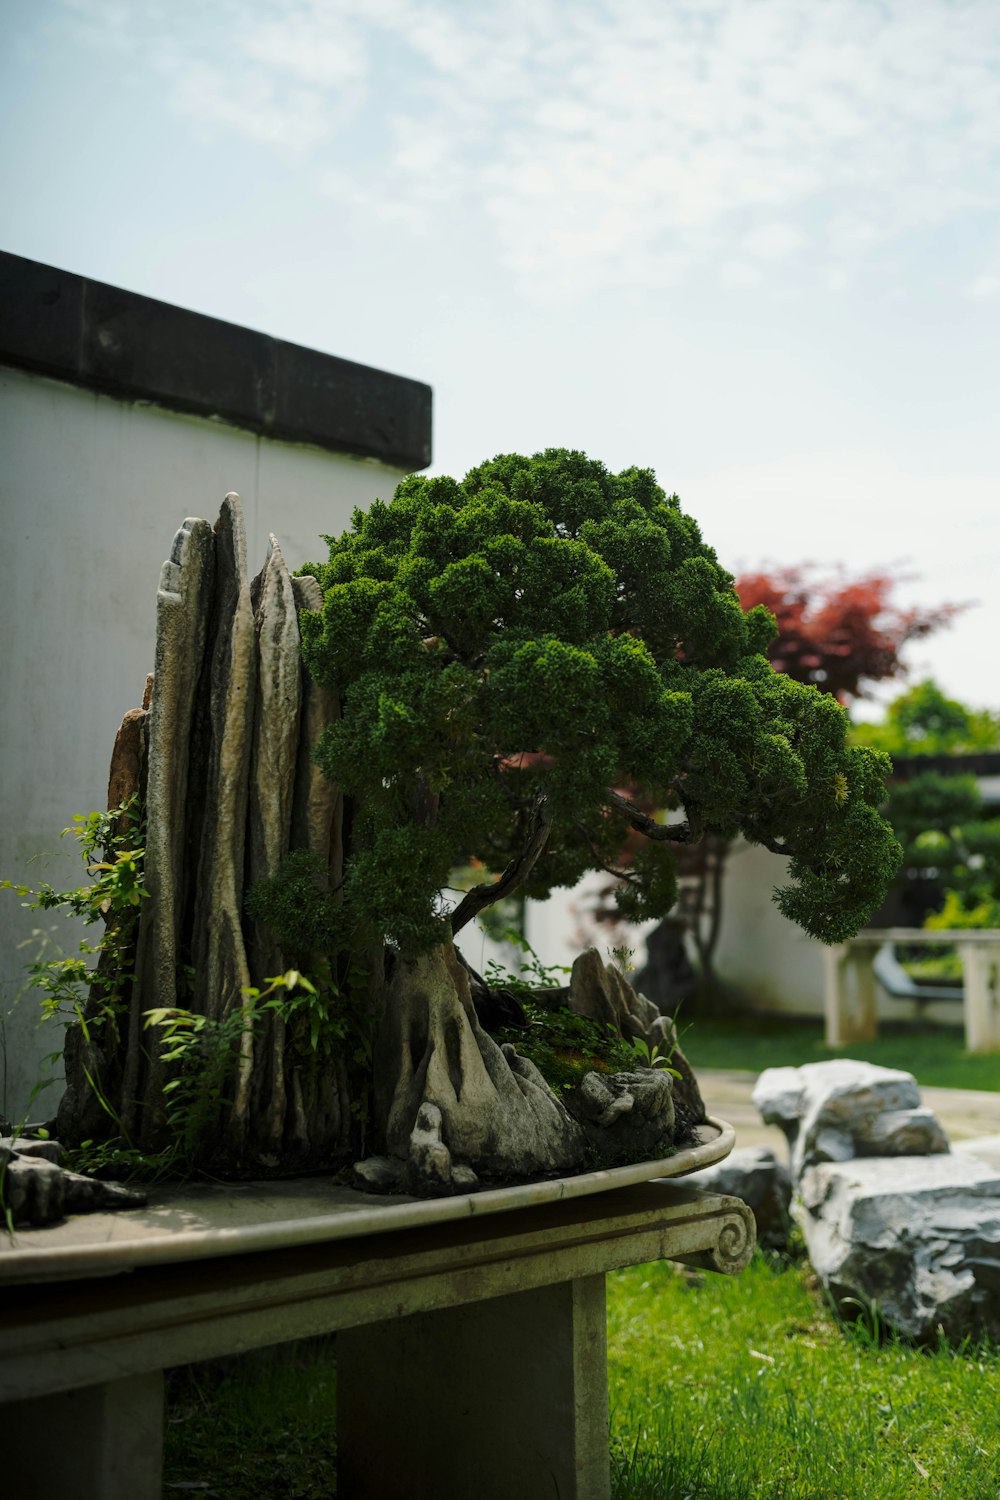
(92, 488)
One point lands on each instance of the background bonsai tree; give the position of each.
(951, 841)
(513, 649)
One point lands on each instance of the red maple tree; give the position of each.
(838, 633)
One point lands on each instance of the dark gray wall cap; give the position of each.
(99, 336)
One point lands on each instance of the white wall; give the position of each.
(767, 958)
(761, 952)
(92, 490)
(775, 965)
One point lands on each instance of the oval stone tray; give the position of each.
(202, 1220)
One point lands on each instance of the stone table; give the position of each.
(471, 1343)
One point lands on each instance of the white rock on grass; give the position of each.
(918, 1237)
(838, 1110)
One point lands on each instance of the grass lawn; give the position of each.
(746, 1389)
(721, 1389)
(258, 1428)
(936, 1056)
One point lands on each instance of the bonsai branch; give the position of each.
(675, 833)
(601, 864)
(514, 875)
(776, 846)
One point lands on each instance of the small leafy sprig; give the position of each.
(111, 847)
(651, 1056)
(532, 974)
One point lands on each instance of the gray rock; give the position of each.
(276, 720)
(601, 992)
(87, 1195)
(634, 1014)
(318, 804)
(30, 1146)
(906, 1132)
(429, 1166)
(918, 1236)
(625, 1114)
(379, 1174)
(837, 1110)
(590, 992)
(689, 1106)
(33, 1190)
(984, 1148)
(37, 1191)
(272, 785)
(183, 604)
(498, 1115)
(754, 1174)
(220, 960)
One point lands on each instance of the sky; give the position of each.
(751, 244)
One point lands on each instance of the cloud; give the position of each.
(612, 138)
(774, 241)
(938, 533)
(739, 274)
(294, 120)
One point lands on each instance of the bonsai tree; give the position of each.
(509, 671)
(512, 649)
(511, 653)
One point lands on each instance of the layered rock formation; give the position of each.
(220, 758)
(891, 1218)
(453, 1107)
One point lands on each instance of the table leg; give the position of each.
(492, 1400)
(849, 995)
(103, 1442)
(981, 998)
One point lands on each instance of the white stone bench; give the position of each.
(471, 1352)
(850, 980)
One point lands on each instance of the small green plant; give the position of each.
(651, 1056)
(532, 975)
(332, 1008)
(87, 987)
(622, 955)
(111, 849)
(564, 1046)
(199, 1054)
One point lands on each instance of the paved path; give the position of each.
(964, 1113)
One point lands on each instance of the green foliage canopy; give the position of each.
(924, 721)
(514, 650)
(938, 815)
